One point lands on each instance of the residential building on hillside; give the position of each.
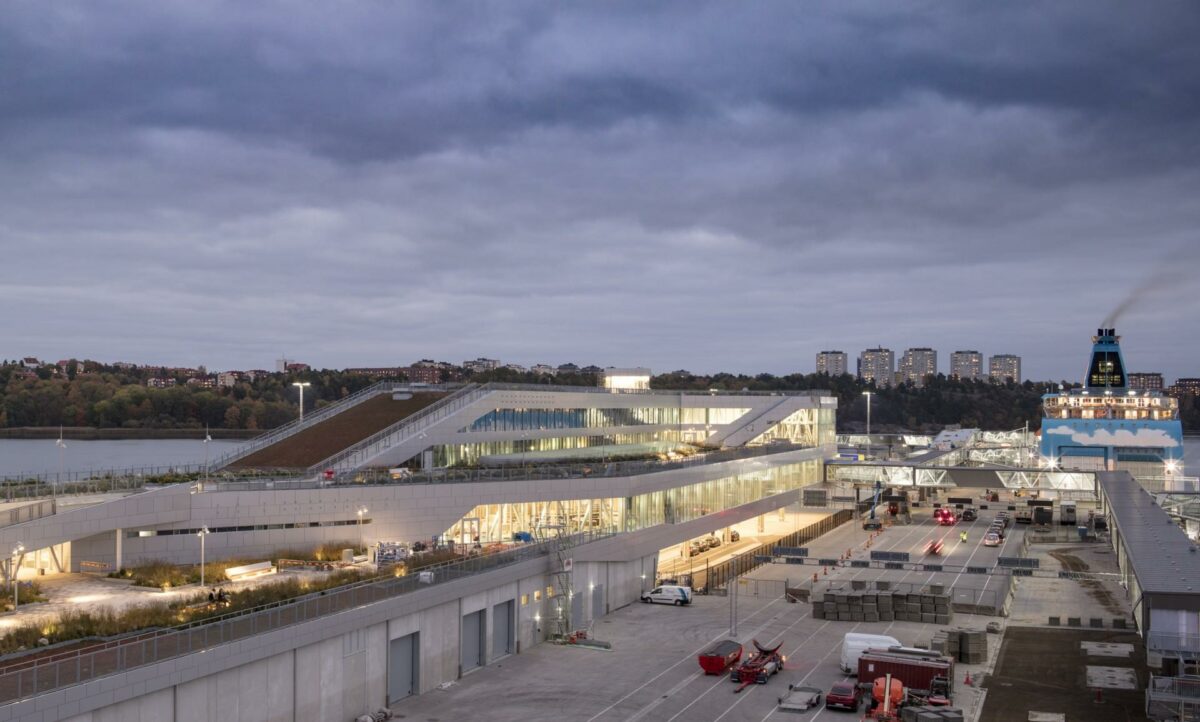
(1004, 367)
(228, 379)
(1146, 381)
(160, 382)
(543, 369)
(831, 362)
(380, 372)
(421, 373)
(966, 365)
(917, 364)
(481, 365)
(1185, 387)
(878, 365)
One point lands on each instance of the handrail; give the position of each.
(313, 418)
(441, 408)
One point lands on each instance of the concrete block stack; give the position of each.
(876, 606)
(972, 646)
(968, 646)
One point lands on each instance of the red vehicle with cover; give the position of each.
(717, 658)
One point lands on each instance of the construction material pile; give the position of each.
(863, 606)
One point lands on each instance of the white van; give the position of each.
(854, 644)
(668, 594)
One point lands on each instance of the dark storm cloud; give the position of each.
(682, 184)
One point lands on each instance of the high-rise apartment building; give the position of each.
(966, 365)
(917, 364)
(877, 364)
(1148, 381)
(1185, 387)
(831, 362)
(1004, 367)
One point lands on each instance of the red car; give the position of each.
(843, 695)
(934, 547)
(945, 517)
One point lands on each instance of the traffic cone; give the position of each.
(968, 681)
(814, 577)
(826, 570)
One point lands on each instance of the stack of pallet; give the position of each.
(968, 646)
(931, 714)
(972, 646)
(865, 606)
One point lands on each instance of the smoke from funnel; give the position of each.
(1168, 275)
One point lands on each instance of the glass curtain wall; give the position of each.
(498, 522)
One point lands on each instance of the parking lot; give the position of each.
(652, 671)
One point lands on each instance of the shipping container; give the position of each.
(917, 672)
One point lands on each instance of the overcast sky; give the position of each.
(709, 186)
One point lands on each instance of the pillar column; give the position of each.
(120, 539)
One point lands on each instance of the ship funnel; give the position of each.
(1107, 368)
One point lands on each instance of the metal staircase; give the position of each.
(559, 543)
(406, 429)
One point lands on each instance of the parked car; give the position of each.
(695, 549)
(668, 594)
(711, 542)
(843, 695)
(734, 535)
(872, 524)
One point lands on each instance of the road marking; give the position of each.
(681, 661)
(805, 677)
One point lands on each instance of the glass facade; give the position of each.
(456, 454)
(498, 522)
(529, 419)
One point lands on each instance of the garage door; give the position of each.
(472, 640)
(598, 609)
(576, 612)
(502, 629)
(402, 667)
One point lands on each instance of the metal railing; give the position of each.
(1173, 698)
(29, 512)
(400, 431)
(312, 418)
(123, 481)
(1173, 643)
(610, 469)
(23, 678)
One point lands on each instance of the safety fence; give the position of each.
(713, 578)
(41, 673)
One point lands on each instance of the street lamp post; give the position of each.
(17, 551)
(300, 385)
(868, 394)
(207, 438)
(62, 448)
(202, 533)
(362, 510)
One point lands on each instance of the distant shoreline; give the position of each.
(90, 433)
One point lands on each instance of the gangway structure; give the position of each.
(555, 539)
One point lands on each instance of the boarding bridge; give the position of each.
(900, 474)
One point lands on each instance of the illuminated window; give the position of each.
(537, 596)
(549, 592)
(524, 599)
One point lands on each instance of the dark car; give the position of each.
(969, 514)
(695, 549)
(734, 535)
(872, 524)
(843, 695)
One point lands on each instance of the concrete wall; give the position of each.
(342, 675)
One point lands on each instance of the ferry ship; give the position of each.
(1107, 425)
